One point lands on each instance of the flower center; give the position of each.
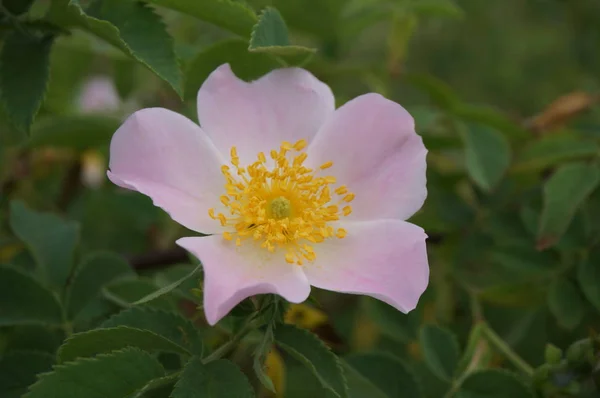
(286, 207)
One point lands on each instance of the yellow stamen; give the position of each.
(287, 208)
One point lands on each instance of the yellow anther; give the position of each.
(349, 198)
(227, 235)
(261, 157)
(341, 233)
(330, 180)
(289, 257)
(347, 210)
(326, 165)
(341, 190)
(300, 145)
(211, 214)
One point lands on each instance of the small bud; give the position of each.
(553, 354)
(541, 374)
(576, 353)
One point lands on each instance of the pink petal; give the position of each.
(385, 259)
(169, 158)
(284, 105)
(232, 274)
(377, 154)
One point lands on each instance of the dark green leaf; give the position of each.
(439, 92)
(18, 371)
(216, 379)
(310, 350)
(552, 150)
(260, 355)
(168, 325)
(588, 276)
(227, 14)
(441, 351)
(78, 132)
(564, 192)
(24, 67)
(39, 338)
(387, 373)
(566, 303)
(270, 35)
(176, 273)
(116, 375)
(100, 341)
(245, 64)
(494, 384)
(94, 272)
(24, 301)
(126, 292)
(442, 8)
(50, 239)
(167, 289)
(159, 388)
(359, 386)
(487, 155)
(17, 7)
(393, 323)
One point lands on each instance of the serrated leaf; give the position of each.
(23, 300)
(126, 292)
(390, 375)
(312, 353)
(116, 375)
(161, 387)
(18, 370)
(100, 341)
(270, 35)
(441, 351)
(128, 25)
(169, 325)
(245, 64)
(216, 379)
(227, 14)
(565, 303)
(73, 131)
(588, 276)
(167, 289)
(564, 192)
(552, 150)
(95, 271)
(487, 155)
(24, 70)
(494, 384)
(50, 240)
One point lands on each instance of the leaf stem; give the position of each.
(230, 345)
(499, 344)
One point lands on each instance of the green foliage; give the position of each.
(218, 379)
(588, 275)
(492, 384)
(566, 303)
(77, 132)
(441, 351)
(18, 370)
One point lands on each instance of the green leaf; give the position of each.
(166, 324)
(94, 272)
(128, 25)
(167, 289)
(39, 338)
(487, 155)
(162, 387)
(24, 301)
(50, 240)
(125, 292)
(24, 70)
(227, 14)
(99, 341)
(564, 192)
(553, 150)
(310, 350)
(18, 370)
(566, 303)
(216, 379)
(260, 354)
(74, 131)
(439, 92)
(394, 324)
(17, 7)
(116, 375)
(387, 373)
(494, 384)
(359, 386)
(270, 35)
(175, 273)
(588, 276)
(441, 351)
(442, 8)
(245, 64)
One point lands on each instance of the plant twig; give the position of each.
(499, 344)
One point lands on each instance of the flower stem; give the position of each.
(500, 345)
(230, 345)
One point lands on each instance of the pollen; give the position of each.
(280, 205)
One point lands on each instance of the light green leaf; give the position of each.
(100, 341)
(566, 303)
(487, 155)
(442, 8)
(162, 387)
(552, 150)
(167, 289)
(245, 64)
(94, 272)
(74, 131)
(24, 301)
(441, 351)
(116, 375)
(494, 384)
(387, 373)
(216, 379)
(231, 15)
(18, 370)
(175, 273)
(588, 276)
(166, 324)
(564, 192)
(312, 353)
(270, 35)
(50, 240)
(24, 70)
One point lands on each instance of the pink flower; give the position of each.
(294, 192)
(99, 95)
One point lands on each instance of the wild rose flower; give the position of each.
(294, 192)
